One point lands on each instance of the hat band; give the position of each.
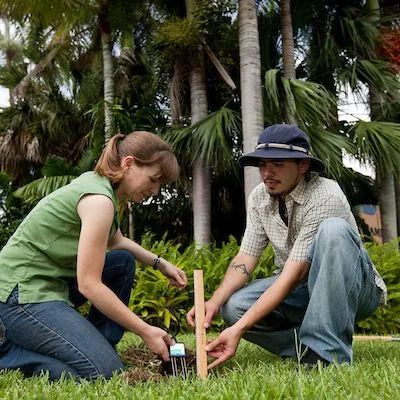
(289, 147)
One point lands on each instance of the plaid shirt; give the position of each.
(307, 206)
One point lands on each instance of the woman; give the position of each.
(57, 259)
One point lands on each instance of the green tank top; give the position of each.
(41, 255)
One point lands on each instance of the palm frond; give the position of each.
(314, 104)
(376, 73)
(309, 102)
(220, 68)
(86, 161)
(329, 147)
(212, 139)
(42, 187)
(54, 47)
(378, 143)
(56, 166)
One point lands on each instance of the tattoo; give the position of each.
(240, 267)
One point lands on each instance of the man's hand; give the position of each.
(176, 276)
(224, 346)
(158, 341)
(211, 310)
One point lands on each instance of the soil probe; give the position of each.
(201, 339)
(178, 360)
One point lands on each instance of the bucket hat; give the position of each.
(282, 141)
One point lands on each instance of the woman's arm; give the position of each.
(96, 213)
(176, 276)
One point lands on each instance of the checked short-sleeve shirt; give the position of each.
(307, 206)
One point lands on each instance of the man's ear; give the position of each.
(304, 165)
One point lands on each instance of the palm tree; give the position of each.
(385, 179)
(301, 102)
(184, 41)
(201, 172)
(343, 53)
(78, 18)
(250, 86)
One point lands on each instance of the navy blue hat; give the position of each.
(282, 142)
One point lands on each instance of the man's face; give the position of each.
(281, 176)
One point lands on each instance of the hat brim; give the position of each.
(253, 159)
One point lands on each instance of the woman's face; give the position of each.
(139, 181)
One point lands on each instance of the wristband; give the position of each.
(156, 262)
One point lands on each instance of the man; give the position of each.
(324, 282)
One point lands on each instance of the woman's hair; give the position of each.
(146, 148)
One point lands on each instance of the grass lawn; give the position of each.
(252, 374)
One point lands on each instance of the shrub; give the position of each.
(160, 304)
(157, 302)
(386, 320)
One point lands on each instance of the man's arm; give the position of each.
(237, 275)
(224, 347)
(293, 272)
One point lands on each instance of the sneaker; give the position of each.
(311, 359)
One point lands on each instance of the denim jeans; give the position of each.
(322, 310)
(53, 337)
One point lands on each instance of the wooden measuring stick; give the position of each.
(201, 339)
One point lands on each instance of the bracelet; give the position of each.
(156, 262)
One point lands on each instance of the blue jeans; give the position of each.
(322, 310)
(53, 337)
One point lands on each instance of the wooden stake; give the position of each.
(201, 339)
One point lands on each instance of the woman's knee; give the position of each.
(110, 368)
(105, 369)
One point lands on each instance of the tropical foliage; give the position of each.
(104, 65)
(155, 301)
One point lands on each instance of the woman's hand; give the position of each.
(158, 341)
(175, 275)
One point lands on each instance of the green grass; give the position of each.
(252, 374)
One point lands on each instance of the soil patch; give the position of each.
(143, 366)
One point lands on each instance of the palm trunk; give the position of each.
(108, 73)
(250, 86)
(201, 196)
(289, 68)
(397, 193)
(385, 183)
(387, 205)
(8, 60)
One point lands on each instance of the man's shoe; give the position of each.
(311, 359)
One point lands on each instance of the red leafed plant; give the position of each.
(389, 47)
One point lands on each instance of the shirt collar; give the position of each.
(300, 193)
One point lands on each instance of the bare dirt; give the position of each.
(141, 365)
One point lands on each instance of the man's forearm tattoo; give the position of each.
(240, 267)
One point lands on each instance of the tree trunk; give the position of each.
(250, 87)
(289, 68)
(397, 195)
(108, 73)
(387, 203)
(7, 36)
(201, 196)
(385, 183)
